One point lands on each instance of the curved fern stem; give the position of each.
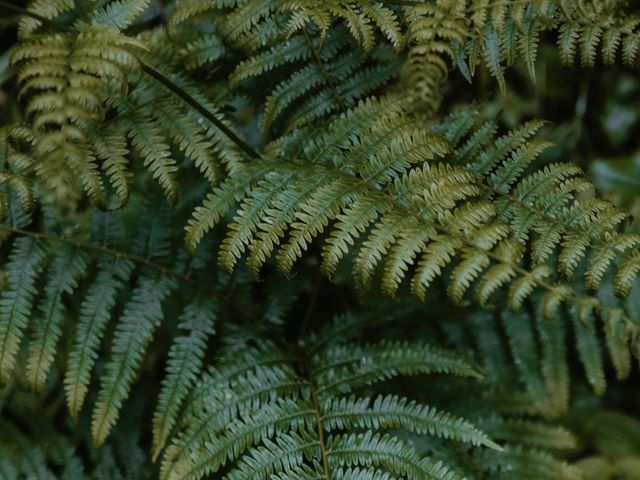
(200, 109)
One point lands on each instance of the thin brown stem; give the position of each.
(149, 70)
(102, 249)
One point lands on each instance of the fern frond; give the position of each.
(276, 433)
(67, 266)
(524, 350)
(464, 214)
(347, 369)
(449, 32)
(433, 30)
(185, 361)
(95, 312)
(529, 464)
(553, 207)
(531, 433)
(66, 79)
(386, 412)
(16, 301)
(245, 18)
(555, 371)
(119, 14)
(140, 318)
(588, 345)
(86, 97)
(46, 9)
(386, 452)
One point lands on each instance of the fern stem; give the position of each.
(200, 109)
(101, 249)
(318, 414)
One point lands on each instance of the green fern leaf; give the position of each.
(386, 412)
(554, 367)
(16, 301)
(185, 360)
(617, 338)
(588, 345)
(384, 452)
(119, 14)
(95, 312)
(135, 329)
(67, 266)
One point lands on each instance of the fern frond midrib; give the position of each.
(319, 424)
(202, 464)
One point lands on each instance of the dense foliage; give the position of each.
(232, 230)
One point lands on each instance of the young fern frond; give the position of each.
(435, 31)
(64, 79)
(300, 425)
